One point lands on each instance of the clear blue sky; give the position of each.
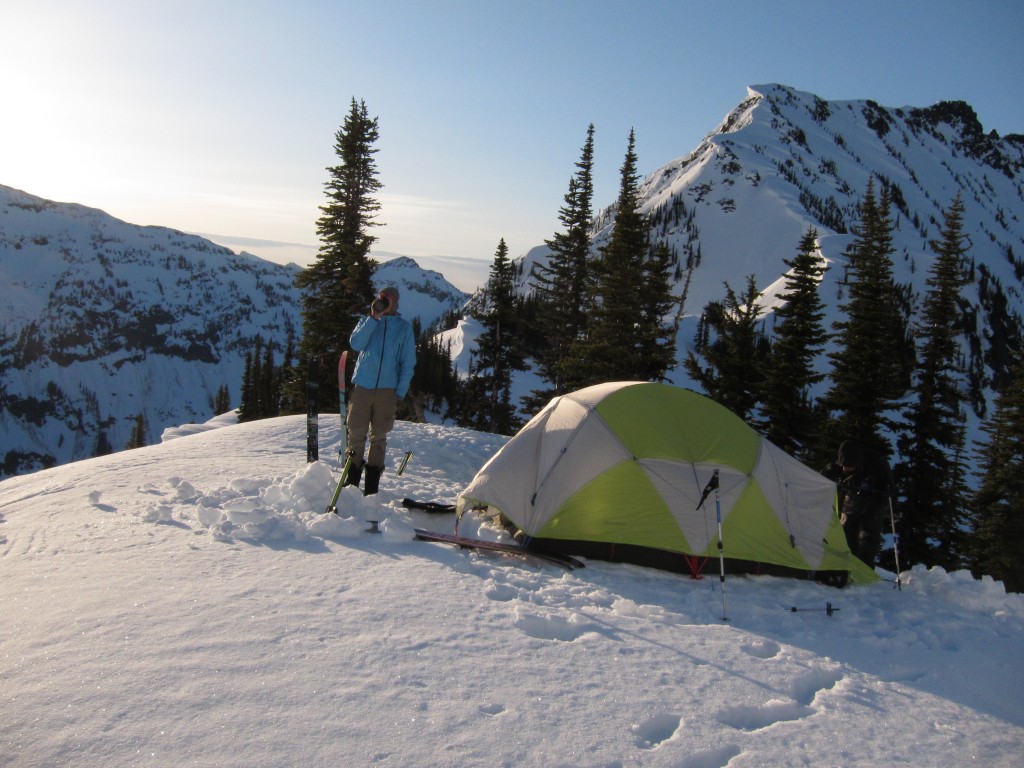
(219, 116)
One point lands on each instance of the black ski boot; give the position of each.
(355, 473)
(372, 479)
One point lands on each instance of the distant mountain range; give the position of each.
(102, 321)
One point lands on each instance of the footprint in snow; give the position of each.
(502, 593)
(807, 686)
(754, 718)
(654, 732)
(761, 649)
(712, 758)
(551, 627)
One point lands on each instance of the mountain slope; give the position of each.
(784, 160)
(103, 320)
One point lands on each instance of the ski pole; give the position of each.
(333, 506)
(829, 609)
(713, 485)
(721, 547)
(895, 544)
(405, 463)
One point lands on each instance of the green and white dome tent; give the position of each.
(627, 463)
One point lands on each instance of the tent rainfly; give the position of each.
(628, 462)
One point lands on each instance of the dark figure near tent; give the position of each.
(865, 487)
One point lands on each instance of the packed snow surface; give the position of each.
(189, 604)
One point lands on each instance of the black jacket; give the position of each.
(864, 492)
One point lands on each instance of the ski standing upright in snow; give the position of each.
(333, 506)
(312, 410)
(342, 405)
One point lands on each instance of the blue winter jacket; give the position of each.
(387, 353)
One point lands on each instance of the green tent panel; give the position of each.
(668, 422)
(598, 512)
(753, 532)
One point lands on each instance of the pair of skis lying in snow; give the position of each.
(482, 545)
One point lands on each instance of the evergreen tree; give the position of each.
(256, 410)
(628, 286)
(222, 402)
(287, 377)
(247, 409)
(262, 383)
(269, 386)
(139, 436)
(561, 285)
(434, 381)
(657, 345)
(869, 367)
(933, 475)
(338, 286)
(734, 349)
(789, 412)
(103, 446)
(998, 530)
(487, 403)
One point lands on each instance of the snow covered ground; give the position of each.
(188, 604)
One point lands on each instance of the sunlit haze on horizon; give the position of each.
(220, 118)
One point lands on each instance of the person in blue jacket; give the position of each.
(387, 356)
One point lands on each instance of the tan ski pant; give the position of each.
(370, 412)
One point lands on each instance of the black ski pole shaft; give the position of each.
(405, 462)
(713, 486)
(721, 546)
(895, 544)
(829, 609)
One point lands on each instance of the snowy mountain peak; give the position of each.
(423, 293)
(784, 160)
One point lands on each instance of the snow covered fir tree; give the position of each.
(827, 269)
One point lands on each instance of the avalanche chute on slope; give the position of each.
(625, 463)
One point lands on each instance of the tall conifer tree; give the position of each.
(998, 530)
(561, 286)
(487, 398)
(732, 350)
(338, 286)
(248, 410)
(222, 401)
(869, 371)
(789, 412)
(933, 476)
(621, 330)
(657, 342)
